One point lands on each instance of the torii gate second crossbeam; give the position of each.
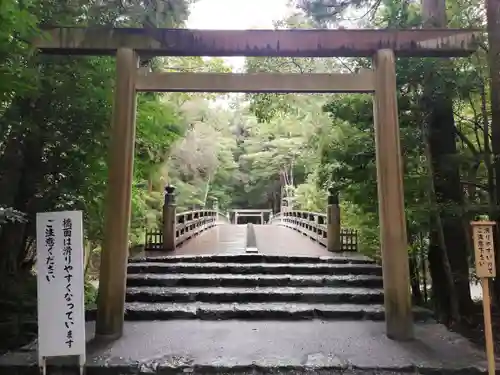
(381, 45)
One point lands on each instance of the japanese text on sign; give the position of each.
(68, 295)
(484, 249)
(49, 243)
(61, 318)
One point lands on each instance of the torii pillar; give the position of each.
(114, 257)
(393, 239)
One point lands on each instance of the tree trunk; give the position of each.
(415, 280)
(414, 269)
(444, 294)
(26, 175)
(493, 16)
(12, 159)
(438, 109)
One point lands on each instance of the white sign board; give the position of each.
(61, 310)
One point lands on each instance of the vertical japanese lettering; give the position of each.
(49, 244)
(480, 245)
(67, 227)
(489, 257)
(484, 249)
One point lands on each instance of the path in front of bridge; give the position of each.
(292, 308)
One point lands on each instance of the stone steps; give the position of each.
(256, 287)
(254, 280)
(258, 311)
(256, 258)
(252, 268)
(259, 294)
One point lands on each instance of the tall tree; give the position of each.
(54, 122)
(493, 27)
(448, 247)
(449, 237)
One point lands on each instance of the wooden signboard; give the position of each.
(484, 250)
(482, 233)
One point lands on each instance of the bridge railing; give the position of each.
(322, 228)
(177, 228)
(187, 225)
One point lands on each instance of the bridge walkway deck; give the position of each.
(231, 239)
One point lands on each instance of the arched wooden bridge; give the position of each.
(207, 232)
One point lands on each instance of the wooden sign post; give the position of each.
(482, 234)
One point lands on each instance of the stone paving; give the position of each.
(269, 347)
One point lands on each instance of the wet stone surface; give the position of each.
(257, 294)
(256, 287)
(260, 311)
(256, 258)
(252, 268)
(232, 347)
(253, 280)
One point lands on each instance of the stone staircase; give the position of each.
(256, 287)
(252, 314)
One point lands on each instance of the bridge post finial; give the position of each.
(169, 194)
(169, 219)
(334, 243)
(333, 195)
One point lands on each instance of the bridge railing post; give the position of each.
(216, 209)
(333, 222)
(169, 219)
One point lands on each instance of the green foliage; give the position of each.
(55, 113)
(54, 124)
(90, 294)
(9, 215)
(325, 12)
(18, 24)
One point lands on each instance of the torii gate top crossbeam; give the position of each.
(283, 43)
(250, 211)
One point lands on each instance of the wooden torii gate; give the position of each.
(381, 45)
(250, 213)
